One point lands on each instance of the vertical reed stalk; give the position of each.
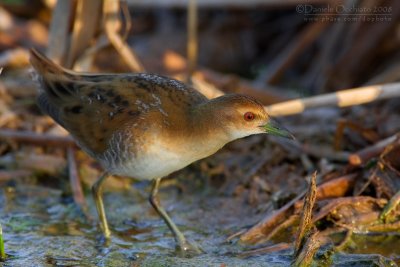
(2, 252)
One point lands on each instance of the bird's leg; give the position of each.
(183, 245)
(97, 190)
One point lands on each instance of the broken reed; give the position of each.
(2, 252)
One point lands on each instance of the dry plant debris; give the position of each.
(301, 70)
(305, 233)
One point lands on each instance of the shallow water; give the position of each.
(44, 228)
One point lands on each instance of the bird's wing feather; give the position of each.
(93, 107)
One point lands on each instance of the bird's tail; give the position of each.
(45, 66)
(55, 85)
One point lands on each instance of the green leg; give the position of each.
(183, 245)
(96, 190)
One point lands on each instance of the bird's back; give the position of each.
(110, 115)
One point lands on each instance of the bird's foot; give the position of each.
(187, 249)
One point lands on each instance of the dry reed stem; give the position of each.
(59, 31)
(111, 25)
(367, 153)
(192, 46)
(75, 182)
(37, 139)
(306, 255)
(86, 21)
(306, 217)
(344, 98)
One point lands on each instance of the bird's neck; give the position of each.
(198, 133)
(205, 123)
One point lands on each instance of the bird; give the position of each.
(144, 126)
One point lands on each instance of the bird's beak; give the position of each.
(273, 127)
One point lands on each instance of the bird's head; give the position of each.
(242, 116)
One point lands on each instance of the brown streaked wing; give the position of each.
(95, 114)
(109, 103)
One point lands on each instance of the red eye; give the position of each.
(249, 116)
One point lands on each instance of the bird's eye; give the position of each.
(249, 116)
